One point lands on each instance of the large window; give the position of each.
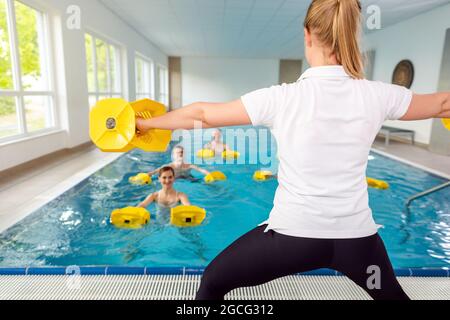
(26, 95)
(144, 78)
(163, 96)
(103, 66)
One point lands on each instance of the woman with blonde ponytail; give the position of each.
(325, 125)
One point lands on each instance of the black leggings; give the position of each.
(259, 257)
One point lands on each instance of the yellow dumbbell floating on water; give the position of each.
(377, 184)
(446, 123)
(209, 154)
(215, 176)
(112, 126)
(206, 154)
(187, 216)
(263, 175)
(140, 179)
(230, 154)
(130, 217)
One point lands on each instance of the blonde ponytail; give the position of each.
(342, 35)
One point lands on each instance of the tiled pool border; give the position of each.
(115, 270)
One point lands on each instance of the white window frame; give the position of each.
(149, 76)
(163, 97)
(118, 49)
(45, 55)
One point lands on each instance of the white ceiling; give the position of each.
(238, 28)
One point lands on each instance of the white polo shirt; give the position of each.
(325, 125)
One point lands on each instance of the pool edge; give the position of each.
(117, 270)
(412, 164)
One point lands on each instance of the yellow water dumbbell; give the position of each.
(377, 184)
(262, 175)
(187, 216)
(206, 154)
(130, 217)
(215, 176)
(230, 154)
(446, 123)
(140, 179)
(112, 126)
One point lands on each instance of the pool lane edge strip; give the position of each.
(112, 271)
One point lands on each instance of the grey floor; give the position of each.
(24, 191)
(184, 288)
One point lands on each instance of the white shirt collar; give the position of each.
(336, 71)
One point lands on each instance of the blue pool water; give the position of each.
(74, 228)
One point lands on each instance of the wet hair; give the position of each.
(165, 169)
(337, 25)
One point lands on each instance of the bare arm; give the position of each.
(147, 201)
(426, 106)
(156, 171)
(209, 115)
(194, 167)
(184, 199)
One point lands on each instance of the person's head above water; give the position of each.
(178, 153)
(166, 177)
(332, 33)
(217, 135)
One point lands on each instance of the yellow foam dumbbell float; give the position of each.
(446, 123)
(140, 179)
(209, 154)
(377, 184)
(206, 154)
(187, 216)
(112, 126)
(215, 176)
(130, 217)
(263, 175)
(229, 154)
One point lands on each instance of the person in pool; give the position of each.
(167, 197)
(181, 169)
(216, 143)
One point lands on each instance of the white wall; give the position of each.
(221, 79)
(421, 40)
(71, 79)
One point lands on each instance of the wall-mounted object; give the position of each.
(403, 74)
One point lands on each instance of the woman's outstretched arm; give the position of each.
(196, 168)
(147, 201)
(208, 115)
(184, 199)
(426, 106)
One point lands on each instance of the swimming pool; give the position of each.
(74, 228)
